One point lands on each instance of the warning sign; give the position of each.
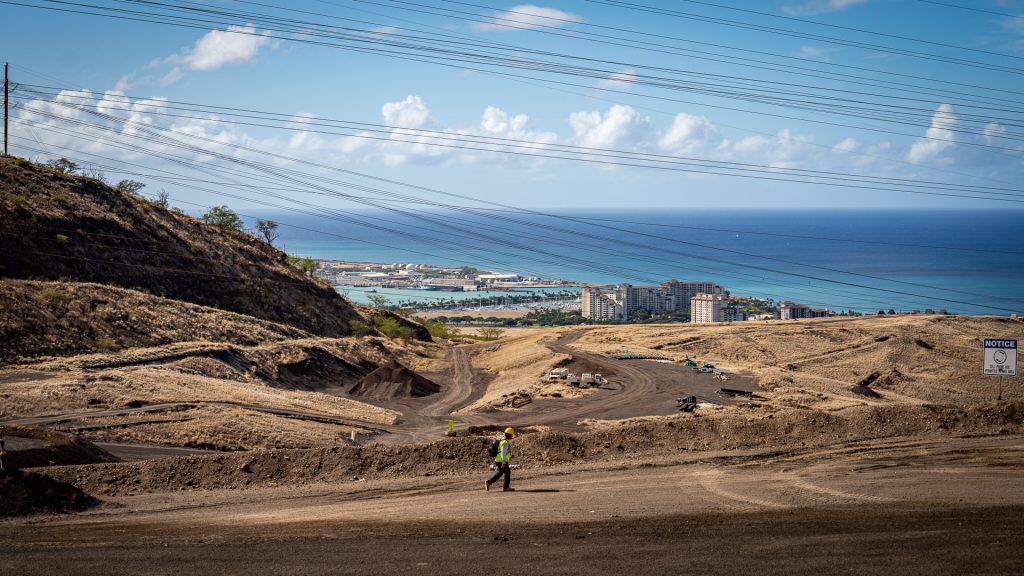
(1000, 357)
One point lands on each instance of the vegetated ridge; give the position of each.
(55, 226)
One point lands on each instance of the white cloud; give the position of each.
(939, 136)
(621, 80)
(846, 146)
(621, 126)
(811, 7)
(992, 131)
(813, 53)
(408, 113)
(216, 49)
(526, 17)
(688, 134)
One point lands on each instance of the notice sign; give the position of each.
(1000, 357)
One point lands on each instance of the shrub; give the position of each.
(305, 265)
(52, 298)
(439, 329)
(19, 200)
(359, 328)
(22, 163)
(391, 328)
(105, 345)
(61, 237)
(491, 333)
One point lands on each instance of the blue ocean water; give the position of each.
(969, 262)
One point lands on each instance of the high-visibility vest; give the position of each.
(501, 447)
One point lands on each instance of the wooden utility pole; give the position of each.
(5, 108)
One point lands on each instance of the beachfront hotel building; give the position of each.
(708, 308)
(618, 302)
(792, 311)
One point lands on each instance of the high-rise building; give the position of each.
(708, 308)
(601, 304)
(618, 302)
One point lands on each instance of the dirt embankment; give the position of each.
(658, 438)
(59, 227)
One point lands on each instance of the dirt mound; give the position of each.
(55, 226)
(394, 381)
(25, 494)
(315, 368)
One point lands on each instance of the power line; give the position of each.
(794, 274)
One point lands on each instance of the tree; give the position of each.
(491, 333)
(162, 198)
(268, 230)
(378, 300)
(303, 264)
(63, 165)
(223, 218)
(129, 186)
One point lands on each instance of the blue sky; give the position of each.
(282, 72)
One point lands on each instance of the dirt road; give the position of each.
(899, 506)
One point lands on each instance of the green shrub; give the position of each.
(392, 328)
(52, 298)
(61, 237)
(19, 200)
(105, 345)
(491, 333)
(22, 163)
(439, 329)
(359, 328)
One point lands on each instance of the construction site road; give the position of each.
(894, 506)
(640, 388)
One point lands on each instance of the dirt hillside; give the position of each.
(59, 227)
(67, 318)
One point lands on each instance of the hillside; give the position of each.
(59, 227)
(66, 318)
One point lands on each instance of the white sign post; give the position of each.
(1000, 359)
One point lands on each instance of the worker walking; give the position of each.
(502, 456)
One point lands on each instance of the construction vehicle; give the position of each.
(572, 380)
(708, 365)
(587, 379)
(690, 363)
(558, 374)
(598, 381)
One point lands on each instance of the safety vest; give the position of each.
(501, 448)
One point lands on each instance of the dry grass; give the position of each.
(815, 362)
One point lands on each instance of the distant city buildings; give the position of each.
(621, 301)
(791, 311)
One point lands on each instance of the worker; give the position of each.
(501, 460)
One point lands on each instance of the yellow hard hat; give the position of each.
(510, 430)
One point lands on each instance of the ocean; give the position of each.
(968, 261)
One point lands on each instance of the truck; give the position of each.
(598, 381)
(572, 380)
(558, 374)
(587, 379)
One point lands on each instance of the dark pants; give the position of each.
(503, 470)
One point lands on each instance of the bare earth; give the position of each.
(870, 446)
(900, 506)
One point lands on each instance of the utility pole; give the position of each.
(5, 108)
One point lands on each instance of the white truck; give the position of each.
(572, 380)
(587, 379)
(558, 374)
